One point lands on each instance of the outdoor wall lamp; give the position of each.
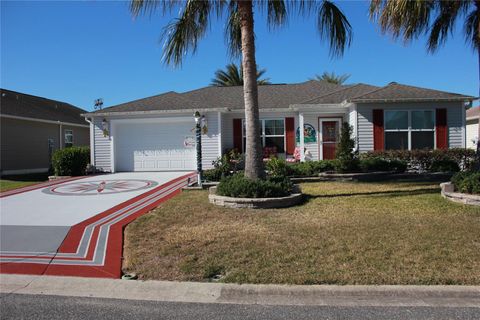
(105, 127)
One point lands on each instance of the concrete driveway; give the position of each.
(75, 227)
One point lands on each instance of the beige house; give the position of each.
(32, 128)
(472, 127)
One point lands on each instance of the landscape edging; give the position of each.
(255, 203)
(448, 192)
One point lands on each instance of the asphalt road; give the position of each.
(19, 306)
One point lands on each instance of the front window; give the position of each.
(272, 134)
(408, 130)
(68, 138)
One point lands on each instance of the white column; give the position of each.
(302, 137)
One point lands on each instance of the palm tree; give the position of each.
(183, 34)
(411, 19)
(332, 77)
(233, 76)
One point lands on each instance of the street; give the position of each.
(26, 306)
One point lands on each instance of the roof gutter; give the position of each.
(152, 112)
(412, 100)
(44, 121)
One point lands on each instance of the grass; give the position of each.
(18, 181)
(345, 233)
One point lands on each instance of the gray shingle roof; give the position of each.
(281, 96)
(24, 105)
(269, 97)
(473, 113)
(400, 92)
(165, 101)
(342, 94)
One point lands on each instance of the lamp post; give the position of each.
(198, 136)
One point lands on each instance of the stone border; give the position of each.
(448, 192)
(255, 203)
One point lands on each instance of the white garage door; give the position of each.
(154, 145)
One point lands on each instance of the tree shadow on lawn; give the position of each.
(390, 193)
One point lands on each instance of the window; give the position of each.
(68, 138)
(409, 130)
(272, 134)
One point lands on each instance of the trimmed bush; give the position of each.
(310, 168)
(379, 164)
(422, 160)
(444, 165)
(71, 161)
(467, 182)
(239, 186)
(345, 156)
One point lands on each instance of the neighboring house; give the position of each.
(155, 133)
(473, 114)
(32, 128)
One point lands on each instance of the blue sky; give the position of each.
(79, 51)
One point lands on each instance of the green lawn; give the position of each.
(345, 233)
(14, 182)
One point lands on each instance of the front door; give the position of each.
(330, 131)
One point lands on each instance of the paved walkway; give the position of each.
(76, 227)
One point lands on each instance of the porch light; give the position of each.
(105, 127)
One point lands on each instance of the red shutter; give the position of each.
(441, 129)
(290, 135)
(237, 135)
(378, 132)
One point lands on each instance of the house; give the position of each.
(473, 115)
(155, 133)
(32, 128)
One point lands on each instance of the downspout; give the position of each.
(60, 135)
(92, 141)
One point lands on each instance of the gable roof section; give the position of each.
(269, 97)
(473, 113)
(24, 105)
(399, 92)
(165, 101)
(343, 94)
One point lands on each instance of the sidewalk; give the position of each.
(315, 295)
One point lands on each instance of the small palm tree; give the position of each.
(332, 77)
(411, 19)
(183, 35)
(233, 76)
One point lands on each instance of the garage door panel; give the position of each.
(153, 147)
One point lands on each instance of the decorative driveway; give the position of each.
(75, 227)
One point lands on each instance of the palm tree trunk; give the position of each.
(253, 148)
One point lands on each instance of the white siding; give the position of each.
(455, 114)
(210, 145)
(103, 147)
(472, 133)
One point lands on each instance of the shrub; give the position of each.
(71, 161)
(229, 163)
(310, 168)
(422, 160)
(239, 186)
(467, 182)
(346, 160)
(277, 167)
(379, 164)
(444, 165)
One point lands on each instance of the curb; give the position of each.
(196, 292)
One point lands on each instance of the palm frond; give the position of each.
(233, 76)
(470, 28)
(233, 34)
(331, 77)
(183, 34)
(334, 27)
(443, 24)
(276, 13)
